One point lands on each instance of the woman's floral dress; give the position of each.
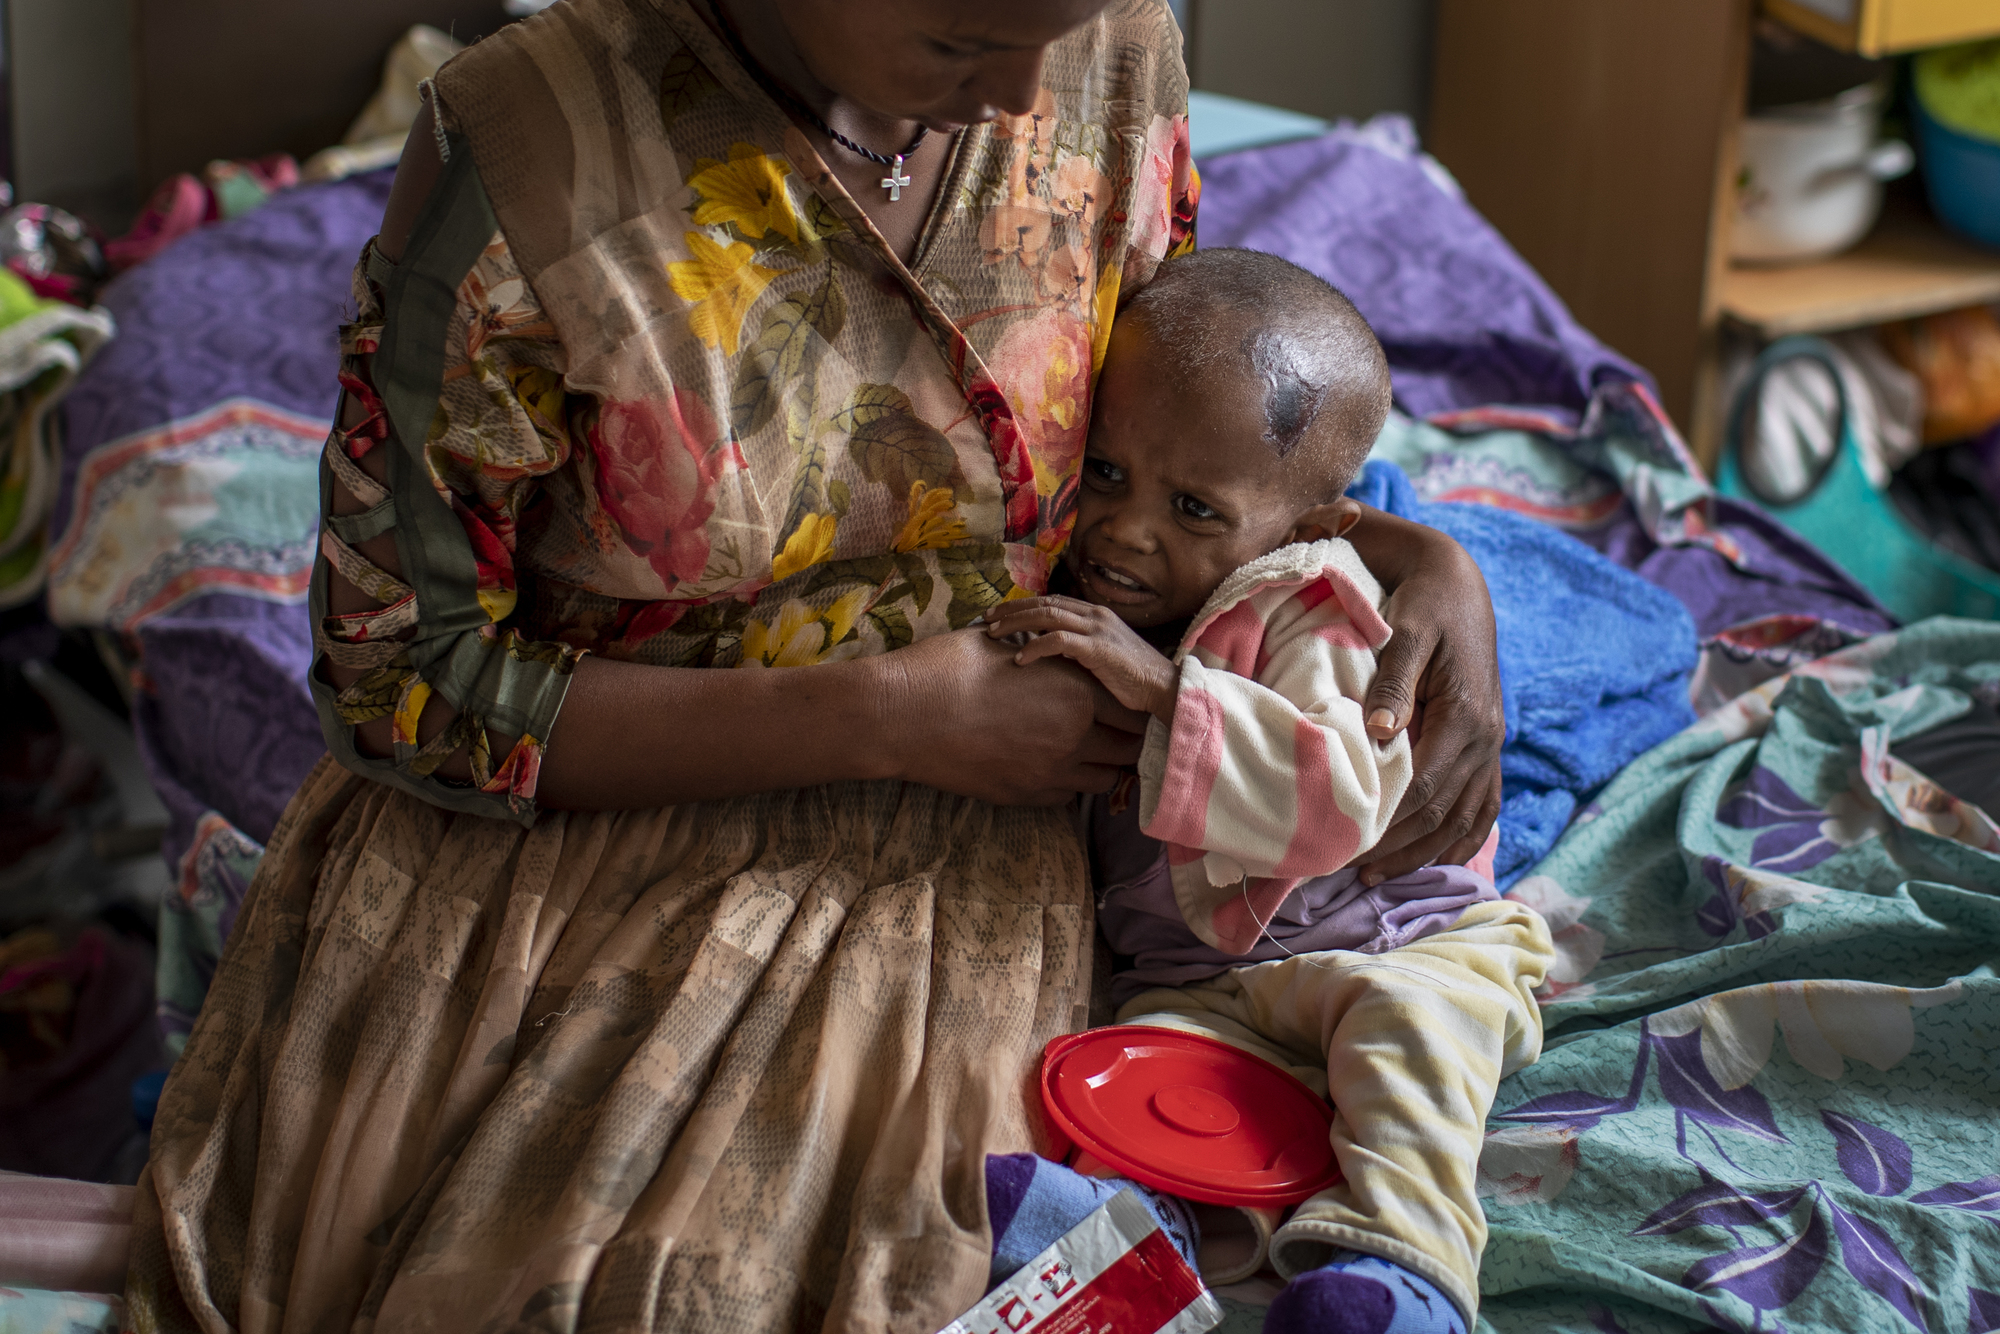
(647, 384)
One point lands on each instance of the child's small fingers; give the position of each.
(999, 626)
(1040, 620)
(1003, 612)
(1059, 643)
(1035, 650)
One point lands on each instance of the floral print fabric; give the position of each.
(695, 413)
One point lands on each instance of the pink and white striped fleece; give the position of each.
(1268, 776)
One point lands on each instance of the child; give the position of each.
(1238, 398)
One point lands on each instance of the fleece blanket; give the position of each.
(1768, 1100)
(1579, 705)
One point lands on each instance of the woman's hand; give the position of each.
(1443, 660)
(974, 723)
(1138, 675)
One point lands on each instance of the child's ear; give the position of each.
(1324, 521)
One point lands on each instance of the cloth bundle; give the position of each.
(375, 139)
(43, 344)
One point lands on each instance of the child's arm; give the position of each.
(1138, 675)
(1273, 777)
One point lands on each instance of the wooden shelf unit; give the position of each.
(1908, 266)
(1599, 136)
(1886, 27)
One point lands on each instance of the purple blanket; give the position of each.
(246, 310)
(189, 517)
(1463, 318)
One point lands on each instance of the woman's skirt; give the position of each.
(728, 1066)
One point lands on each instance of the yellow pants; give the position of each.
(1409, 1046)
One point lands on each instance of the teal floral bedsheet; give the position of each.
(1770, 1096)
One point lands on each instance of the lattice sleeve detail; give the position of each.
(441, 634)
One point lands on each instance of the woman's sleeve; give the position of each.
(459, 382)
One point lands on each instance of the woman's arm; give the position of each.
(952, 712)
(1443, 658)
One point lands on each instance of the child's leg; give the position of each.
(1415, 1043)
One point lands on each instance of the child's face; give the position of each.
(1179, 487)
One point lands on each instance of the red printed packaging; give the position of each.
(1113, 1273)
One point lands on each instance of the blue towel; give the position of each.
(1594, 660)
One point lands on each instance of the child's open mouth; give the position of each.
(1113, 585)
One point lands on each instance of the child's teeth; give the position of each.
(1117, 578)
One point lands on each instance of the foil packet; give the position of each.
(1113, 1273)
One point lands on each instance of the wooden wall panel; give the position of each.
(1596, 134)
(241, 78)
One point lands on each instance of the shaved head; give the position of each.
(1325, 379)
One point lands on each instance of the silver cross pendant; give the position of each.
(896, 179)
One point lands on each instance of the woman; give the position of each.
(595, 990)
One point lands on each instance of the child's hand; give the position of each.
(1138, 675)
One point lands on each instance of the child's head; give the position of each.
(1239, 396)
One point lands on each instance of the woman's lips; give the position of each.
(1112, 584)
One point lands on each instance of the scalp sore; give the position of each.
(1325, 378)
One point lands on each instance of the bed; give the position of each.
(1715, 794)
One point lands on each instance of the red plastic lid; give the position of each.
(1189, 1115)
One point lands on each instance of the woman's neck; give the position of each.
(760, 26)
(757, 28)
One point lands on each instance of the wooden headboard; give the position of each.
(242, 78)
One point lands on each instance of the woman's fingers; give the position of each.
(1055, 644)
(1455, 756)
(1453, 796)
(1463, 851)
(1110, 749)
(1392, 700)
(1117, 715)
(1442, 657)
(1033, 736)
(1451, 835)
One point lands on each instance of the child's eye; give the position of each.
(1099, 470)
(1191, 508)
